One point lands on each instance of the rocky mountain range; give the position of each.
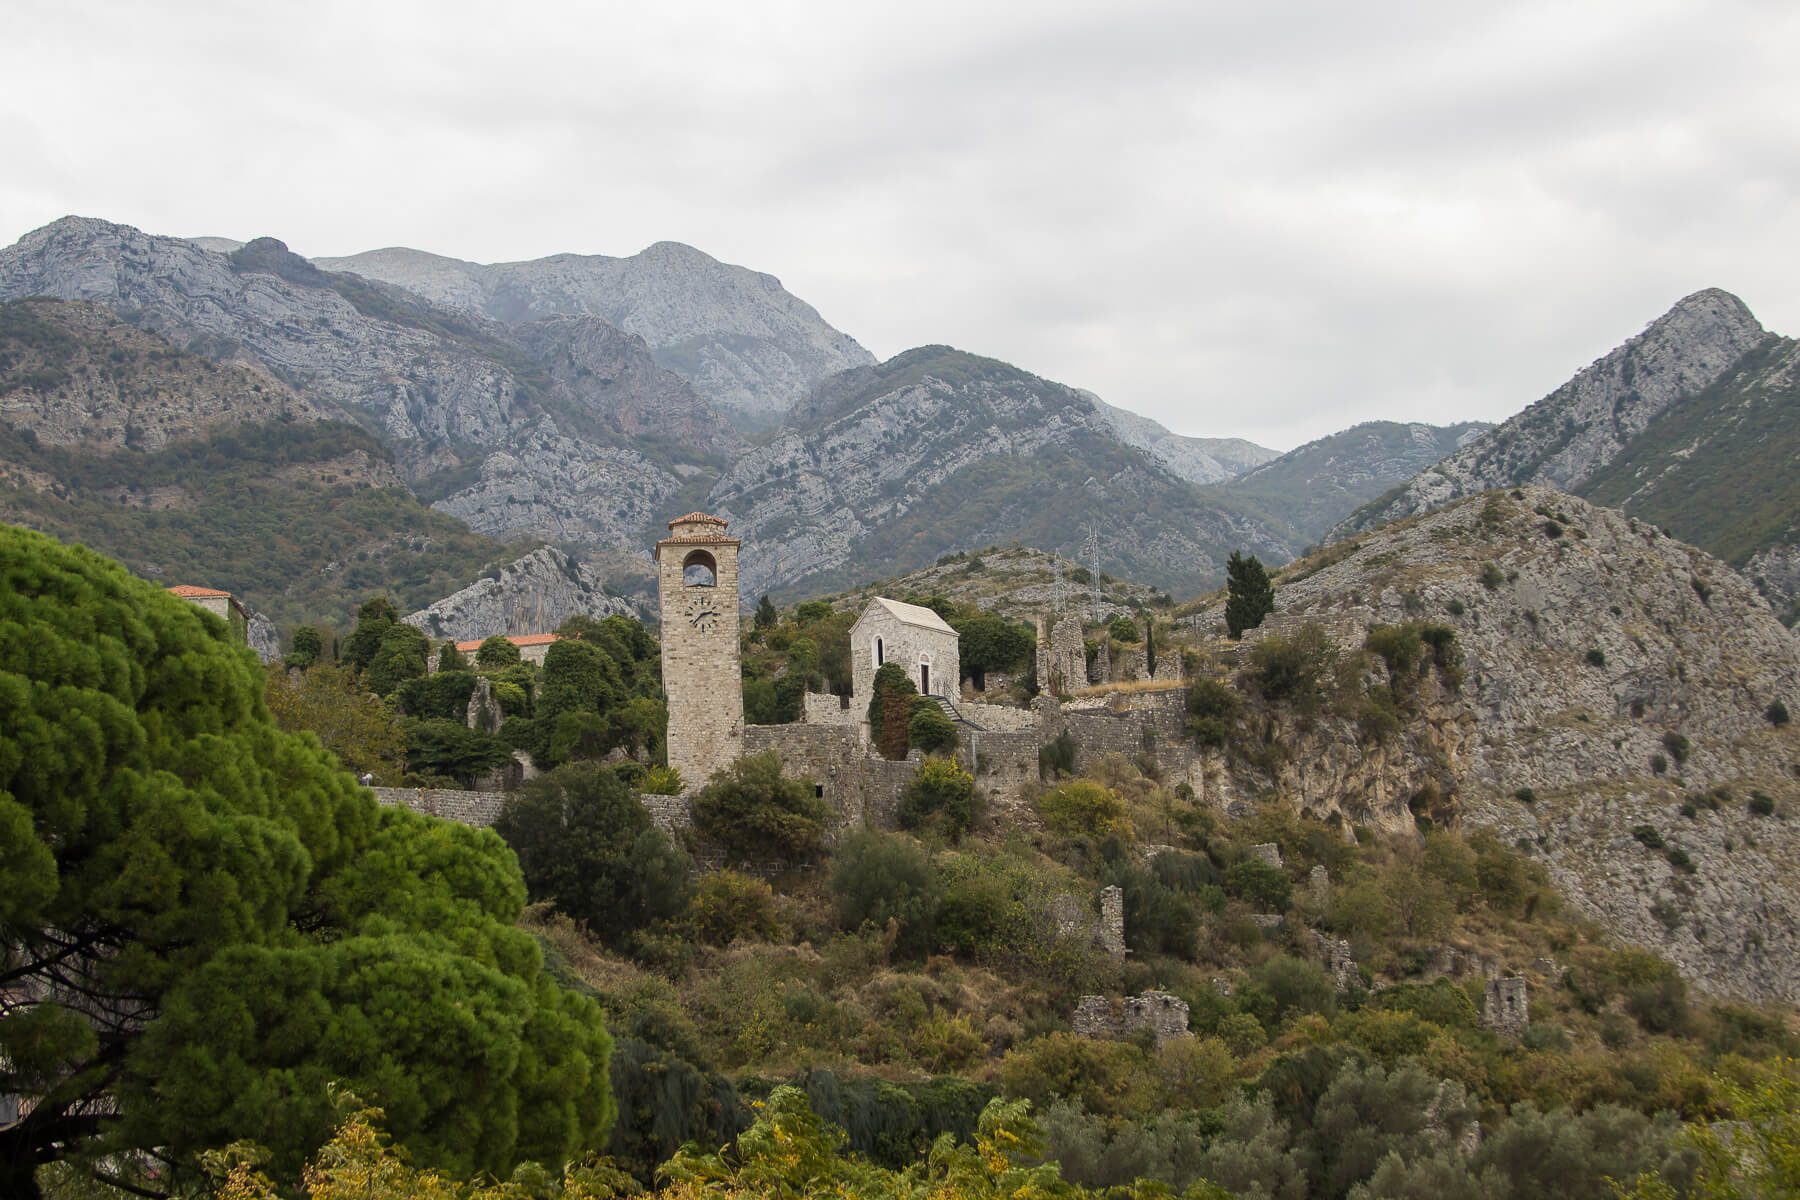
(527, 416)
(745, 343)
(1693, 424)
(1614, 680)
(1312, 486)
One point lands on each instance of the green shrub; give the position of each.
(662, 781)
(1596, 657)
(1397, 645)
(1492, 576)
(1083, 808)
(1259, 885)
(495, 652)
(728, 906)
(1212, 708)
(1659, 1005)
(1294, 670)
(1678, 747)
(1441, 1002)
(881, 879)
(1525, 795)
(1659, 763)
(942, 796)
(1293, 987)
(1762, 804)
(584, 842)
(1455, 608)
(1552, 529)
(929, 729)
(1648, 836)
(1776, 713)
(755, 812)
(1678, 858)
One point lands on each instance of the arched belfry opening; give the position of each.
(699, 569)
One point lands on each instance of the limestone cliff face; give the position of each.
(1583, 425)
(532, 594)
(1617, 674)
(742, 339)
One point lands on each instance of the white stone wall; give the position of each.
(908, 645)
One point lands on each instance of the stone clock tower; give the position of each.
(697, 581)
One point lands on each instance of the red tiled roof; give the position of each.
(190, 591)
(698, 516)
(517, 639)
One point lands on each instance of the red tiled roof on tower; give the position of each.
(189, 591)
(698, 516)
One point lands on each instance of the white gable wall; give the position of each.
(885, 633)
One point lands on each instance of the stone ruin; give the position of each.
(1164, 1015)
(484, 708)
(1450, 961)
(1269, 852)
(1335, 955)
(1504, 1009)
(1106, 931)
(1061, 655)
(1318, 886)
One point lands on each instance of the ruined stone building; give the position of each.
(697, 590)
(1061, 655)
(910, 635)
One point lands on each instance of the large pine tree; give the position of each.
(1250, 595)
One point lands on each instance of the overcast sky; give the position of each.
(1260, 220)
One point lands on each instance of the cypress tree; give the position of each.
(1250, 595)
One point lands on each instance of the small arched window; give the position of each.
(878, 658)
(699, 570)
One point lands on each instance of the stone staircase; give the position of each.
(950, 710)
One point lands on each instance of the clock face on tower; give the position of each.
(702, 612)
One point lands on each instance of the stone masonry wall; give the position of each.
(470, 808)
(861, 789)
(824, 708)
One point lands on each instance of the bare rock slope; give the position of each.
(532, 594)
(1616, 680)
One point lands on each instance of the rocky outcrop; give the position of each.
(1583, 425)
(737, 335)
(1613, 678)
(532, 594)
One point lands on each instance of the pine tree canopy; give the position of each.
(205, 922)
